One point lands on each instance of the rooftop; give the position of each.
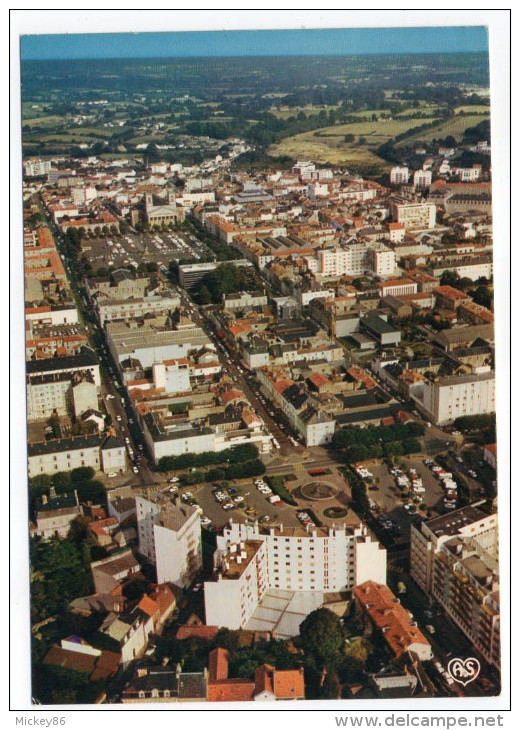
(453, 522)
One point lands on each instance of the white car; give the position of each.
(111, 474)
(135, 470)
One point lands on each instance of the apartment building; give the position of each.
(239, 582)
(445, 399)
(382, 611)
(67, 393)
(54, 513)
(413, 214)
(381, 261)
(290, 559)
(454, 559)
(100, 452)
(49, 457)
(422, 179)
(36, 168)
(399, 175)
(170, 537)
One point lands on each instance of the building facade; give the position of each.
(170, 538)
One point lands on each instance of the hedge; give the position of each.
(277, 484)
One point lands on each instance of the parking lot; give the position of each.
(253, 499)
(384, 492)
(131, 249)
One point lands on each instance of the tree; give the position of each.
(322, 637)
(78, 530)
(483, 296)
(350, 138)
(449, 278)
(204, 295)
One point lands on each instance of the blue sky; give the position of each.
(337, 41)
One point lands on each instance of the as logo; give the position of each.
(464, 671)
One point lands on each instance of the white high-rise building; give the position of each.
(321, 560)
(459, 395)
(381, 260)
(454, 560)
(422, 179)
(33, 168)
(170, 537)
(399, 175)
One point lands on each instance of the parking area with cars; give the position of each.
(240, 500)
(404, 494)
(130, 249)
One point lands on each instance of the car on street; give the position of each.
(111, 474)
(135, 470)
(119, 419)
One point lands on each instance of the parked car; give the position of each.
(111, 474)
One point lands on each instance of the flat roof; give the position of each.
(452, 522)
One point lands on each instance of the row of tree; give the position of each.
(235, 455)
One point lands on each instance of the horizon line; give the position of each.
(256, 55)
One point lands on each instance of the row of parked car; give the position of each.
(447, 481)
(305, 519)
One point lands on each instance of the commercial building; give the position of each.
(170, 538)
(192, 274)
(149, 341)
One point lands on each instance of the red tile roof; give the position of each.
(288, 684)
(388, 615)
(149, 606)
(218, 664)
(231, 690)
(201, 632)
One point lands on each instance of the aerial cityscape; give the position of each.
(260, 372)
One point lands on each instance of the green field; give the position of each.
(327, 145)
(472, 109)
(454, 126)
(48, 121)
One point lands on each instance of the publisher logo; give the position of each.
(464, 671)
